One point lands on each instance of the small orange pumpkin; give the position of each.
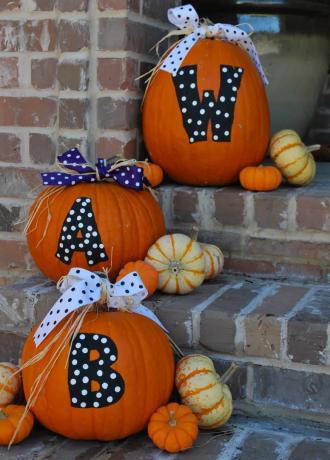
(148, 274)
(10, 417)
(152, 172)
(9, 383)
(173, 427)
(260, 178)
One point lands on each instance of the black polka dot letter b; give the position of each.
(92, 382)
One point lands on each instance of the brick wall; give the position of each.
(67, 76)
(320, 126)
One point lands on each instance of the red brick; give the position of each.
(40, 35)
(13, 255)
(108, 147)
(157, 8)
(117, 73)
(44, 5)
(220, 315)
(73, 35)
(9, 5)
(43, 73)
(124, 34)
(304, 271)
(72, 5)
(65, 144)
(9, 35)
(73, 113)
(271, 210)
(10, 148)
(118, 114)
(229, 206)
(313, 212)
(118, 5)
(9, 216)
(73, 75)
(42, 148)
(18, 182)
(248, 266)
(185, 207)
(8, 72)
(28, 111)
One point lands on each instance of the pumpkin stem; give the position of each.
(229, 373)
(194, 233)
(3, 415)
(313, 148)
(171, 420)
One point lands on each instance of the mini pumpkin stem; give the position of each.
(229, 373)
(171, 420)
(194, 233)
(3, 415)
(313, 148)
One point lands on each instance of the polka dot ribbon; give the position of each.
(82, 287)
(77, 170)
(186, 18)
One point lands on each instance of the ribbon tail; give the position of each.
(144, 311)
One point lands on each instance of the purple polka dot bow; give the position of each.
(76, 170)
(186, 19)
(81, 288)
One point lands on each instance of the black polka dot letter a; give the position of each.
(80, 233)
(196, 114)
(83, 371)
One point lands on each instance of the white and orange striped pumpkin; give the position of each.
(9, 384)
(292, 157)
(179, 261)
(201, 389)
(214, 260)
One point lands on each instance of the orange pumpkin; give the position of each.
(92, 226)
(173, 427)
(260, 178)
(207, 143)
(10, 417)
(107, 383)
(10, 383)
(152, 172)
(147, 273)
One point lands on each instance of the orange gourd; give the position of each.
(92, 226)
(10, 417)
(260, 178)
(152, 172)
(107, 383)
(10, 383)
(146, 272)
(173, 427)
(210, 161)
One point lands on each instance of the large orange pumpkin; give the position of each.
(211, 120)
(92, 226)
(119, 370)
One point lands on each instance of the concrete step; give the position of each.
(241, 439)
(277, 332)
(284, 233)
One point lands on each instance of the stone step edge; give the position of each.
(188, 319)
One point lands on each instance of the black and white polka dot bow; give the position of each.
(82, 287)
(76, 170)
(187, 20)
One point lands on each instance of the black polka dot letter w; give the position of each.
(80, 233)
(197, 114)
(83, 372)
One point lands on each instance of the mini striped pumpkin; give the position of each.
(9, 384)
(201, 389)
(179, 261)
(214, 260)
(293, 157)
